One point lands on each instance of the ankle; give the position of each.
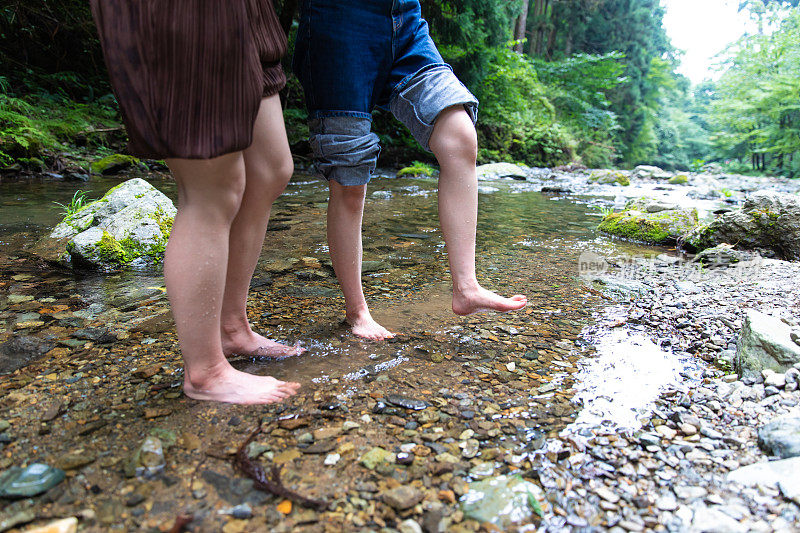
(201, 376)
(466, 287)
(358, 313)
(234, 328)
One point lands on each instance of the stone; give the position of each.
(504, 501)
(241, 512)
(129, 226)
(650, 172)
(610, 177)
(663, 227)
(75, 460)
(769, 474)
(65, 525)
(327, 433)
(376, 456)
(666, 432)
(679, 179)
(764, 343)
(113, 164)
(402, 497)
(20, 351)
(767, 220)
(148, 458)
(493, 171)
(405, 402)
(775, 379)
(712, 520)
(722, 255)
(409, 526)
(32, 480)
(780, 437)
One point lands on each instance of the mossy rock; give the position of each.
(417, 170)
(767, 221)
(128, 227)
(679, 179)
(113, 164)
(609, 177)
(663, 227)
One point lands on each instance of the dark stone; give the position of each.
(97, 335)
(411, 424)
(231, 490)
(324, 446)
(234, 421)
(405, 402)
(19, 352)
(437, 448)
(467, 415)
(134, 500)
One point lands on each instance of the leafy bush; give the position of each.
(32, 125)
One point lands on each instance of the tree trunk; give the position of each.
(521, 26)
(287, 14)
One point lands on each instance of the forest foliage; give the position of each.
(559, 81)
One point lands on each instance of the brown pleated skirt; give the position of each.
(189, 75)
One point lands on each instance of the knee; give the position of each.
(229, 195)
(348, 198)
(282, 170)
(459, 141)
(268, 177)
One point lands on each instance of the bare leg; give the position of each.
(455, 145)
(345, 211)
(268, 167)
(209, 196)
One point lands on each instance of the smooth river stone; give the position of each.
(32, 480)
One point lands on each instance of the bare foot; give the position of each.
(249, 343)
(363, 325)
(226, 384)
(479, 300)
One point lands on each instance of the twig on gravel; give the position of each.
(271, 484)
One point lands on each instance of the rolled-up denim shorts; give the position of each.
(352, 56)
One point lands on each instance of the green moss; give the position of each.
(609, 178)
(416, 170)
(112, 164)
(680, 179)
(164, 222)
(112, 251)
(638, 229)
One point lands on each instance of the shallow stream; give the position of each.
(528, 243)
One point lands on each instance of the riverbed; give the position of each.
(450, 401)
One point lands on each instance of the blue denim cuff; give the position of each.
(345, 149)
(419, 99)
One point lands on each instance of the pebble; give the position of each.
(402, 497)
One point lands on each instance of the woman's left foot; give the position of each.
(254, 345)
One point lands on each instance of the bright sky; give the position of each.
(702, 29)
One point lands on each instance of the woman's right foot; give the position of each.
(229, 385)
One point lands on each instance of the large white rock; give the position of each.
(494, 171)
(765, 342)
(129, 226)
